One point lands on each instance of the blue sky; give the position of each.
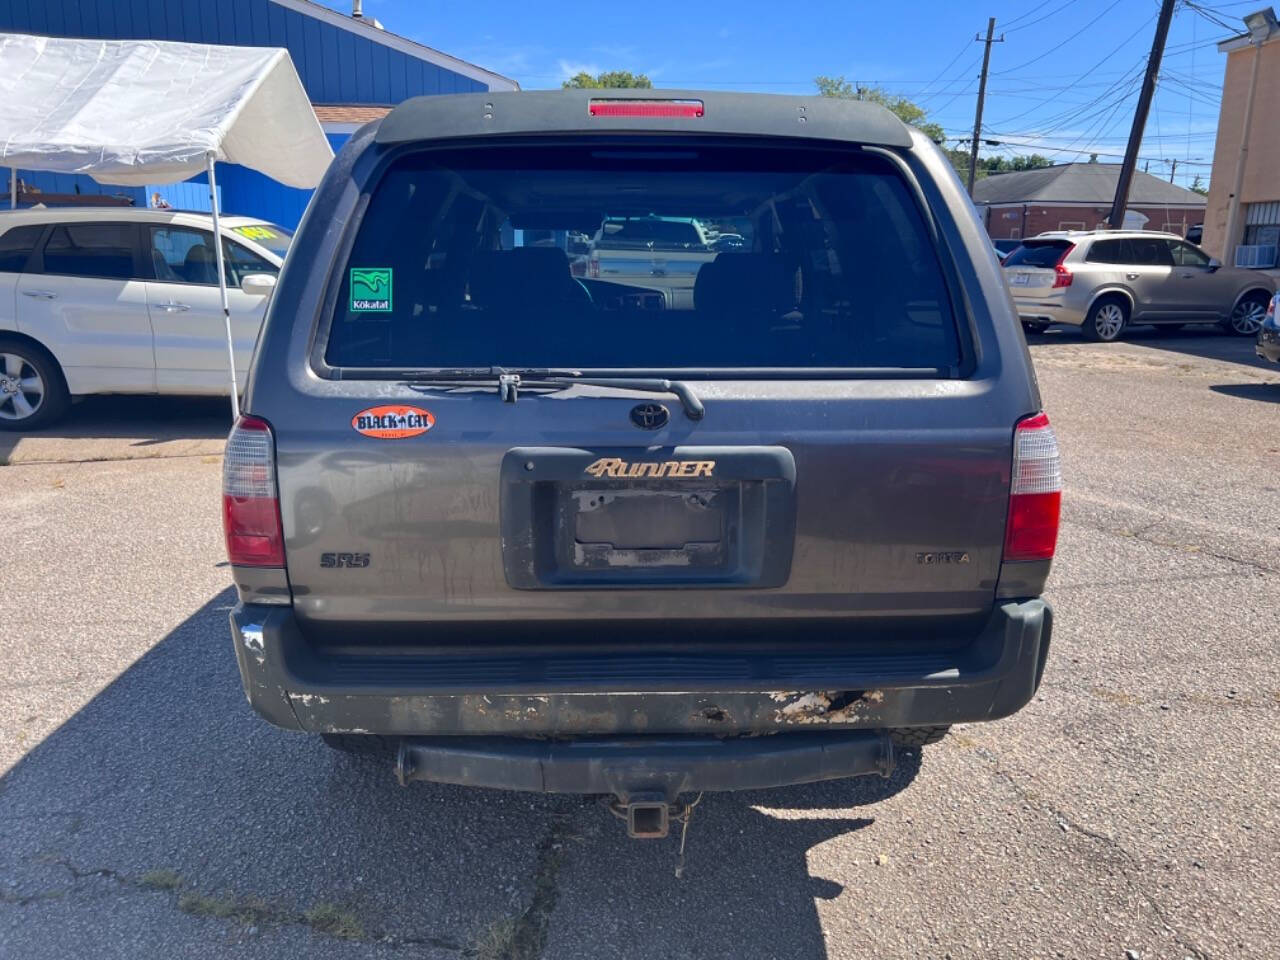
(1063, 83)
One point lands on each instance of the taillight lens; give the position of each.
(593, 267)
(1035, 496)
(645, 108)
(1061, 275)
(250, 508)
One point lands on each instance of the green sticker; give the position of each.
(371, 289)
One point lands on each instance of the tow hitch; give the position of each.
(649, 816)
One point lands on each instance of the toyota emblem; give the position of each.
(650, 416)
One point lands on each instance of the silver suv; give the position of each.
(1102, 281)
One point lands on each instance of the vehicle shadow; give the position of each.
(1199, 340)
(168, 789)
(136, 421)
(1264, 392)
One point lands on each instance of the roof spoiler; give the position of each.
(468, 115)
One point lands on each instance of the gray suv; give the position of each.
(517, 528)
(1103, 281)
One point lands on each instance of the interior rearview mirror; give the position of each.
(258, 284)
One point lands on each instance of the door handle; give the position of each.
(1187, 276)
(1131, 276)
(172, 307)
(41, 294)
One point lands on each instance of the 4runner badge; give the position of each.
(393, 422)
(614, 467)
(370, 289)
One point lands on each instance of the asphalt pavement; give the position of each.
(1129, 810)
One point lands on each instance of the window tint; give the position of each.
(16, 246)
(1148, 252)
(1185, 255)
(1107, 251)
(102, 250)
(1038, 253)
(187, 255)
(498, 256)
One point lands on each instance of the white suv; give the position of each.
(123, 300)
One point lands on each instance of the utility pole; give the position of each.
(1173, 169)
(982, 95)
(1116, 217)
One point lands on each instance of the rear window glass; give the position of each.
(16, 246)
(1043, 253)
(103, 250)
(593, 257)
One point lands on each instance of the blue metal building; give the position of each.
(352, 69)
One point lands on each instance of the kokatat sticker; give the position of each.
(393, 422)
(370, 289)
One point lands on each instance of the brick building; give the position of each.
(1249, 158)
(1077, 196)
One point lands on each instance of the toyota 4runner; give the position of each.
(528, 530)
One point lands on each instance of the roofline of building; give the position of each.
(495, 81)
(1101, 204)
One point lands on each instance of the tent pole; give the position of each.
(222, 286)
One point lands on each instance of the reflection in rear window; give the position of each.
(645, 258)
(1043, 253)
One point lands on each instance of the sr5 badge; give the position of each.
(348, 560)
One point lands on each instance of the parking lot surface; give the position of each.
(1132, 806)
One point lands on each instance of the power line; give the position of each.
(1010, 28)
(1061, 43)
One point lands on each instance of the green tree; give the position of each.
(1198, 186)
(906, 110)
(1093, 158)
(609, 80)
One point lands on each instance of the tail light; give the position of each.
(1062, 277)
(250, 505)
(593, 266)
(1035, 496)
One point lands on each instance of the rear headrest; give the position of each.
(745, 283)
(509, 276)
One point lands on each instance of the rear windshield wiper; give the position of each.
(510, 379)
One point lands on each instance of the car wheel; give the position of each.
(917, 736)
(1246, 318)
(1034, 326)
(33, 393)
(1106, 320)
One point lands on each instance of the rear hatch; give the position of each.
(485, 438)
(1031, 269)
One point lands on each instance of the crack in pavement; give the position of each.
(247, 911)
(1065, 819)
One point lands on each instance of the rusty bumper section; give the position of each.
(576, 695)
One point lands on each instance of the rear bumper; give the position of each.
(578, 694)
(1048, 311)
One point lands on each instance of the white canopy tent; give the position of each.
(137, 112)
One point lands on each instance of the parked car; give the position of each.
(111, 300)
(657, 250)
(1104, 281)
(516, 529)
(1006, 246)
(1195, 234)
(1269, 335)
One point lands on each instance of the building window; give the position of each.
(1262, 224)
(1071, 225)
